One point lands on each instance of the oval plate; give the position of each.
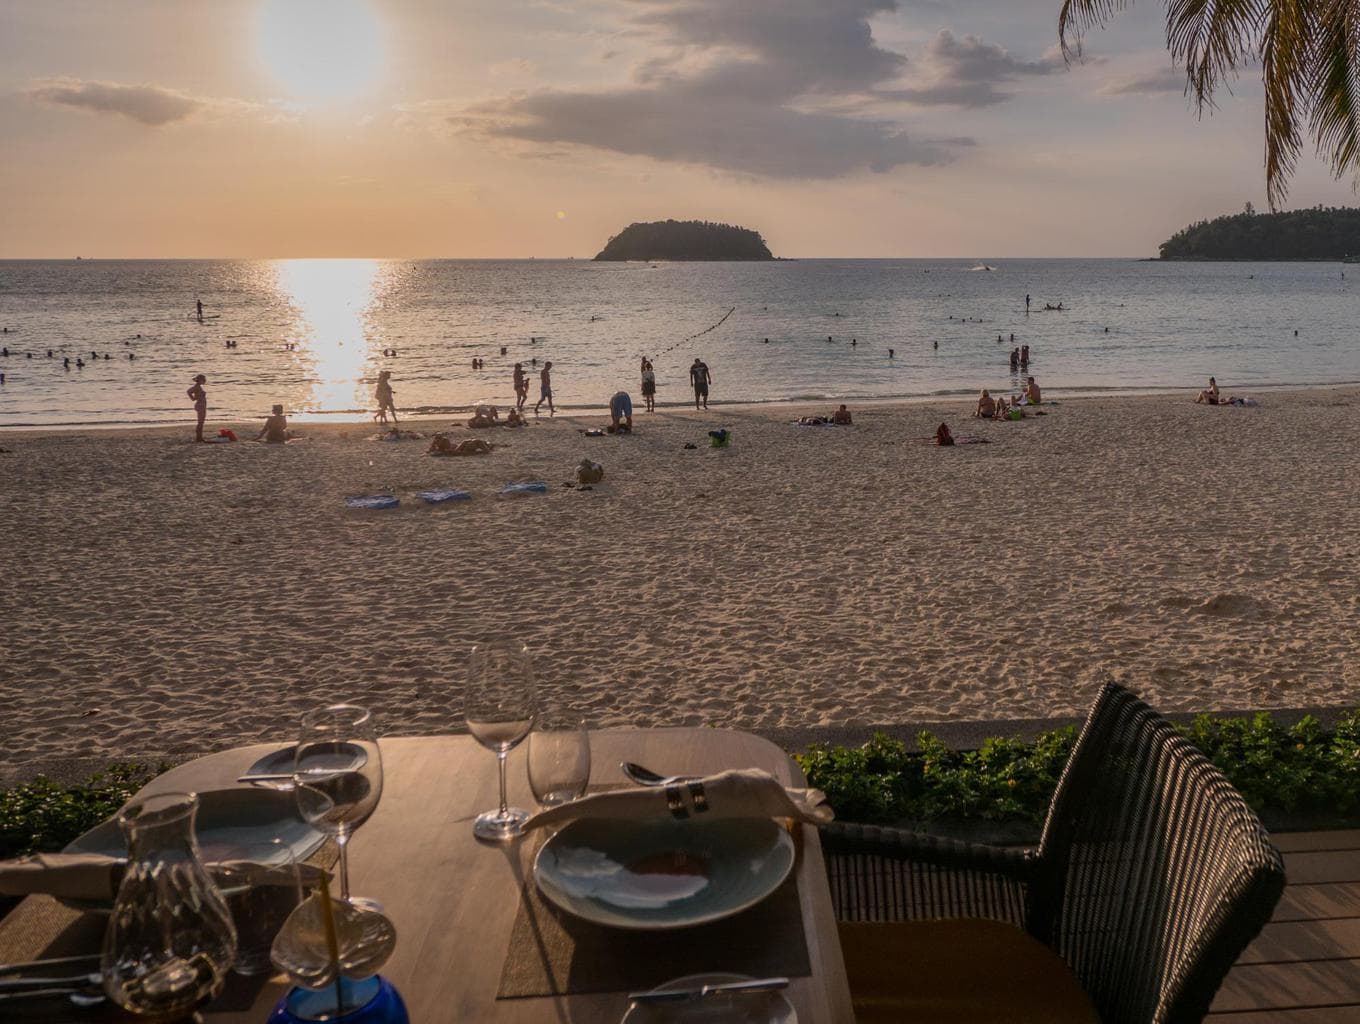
(662, 873)
(228, 821)
(738, 1008)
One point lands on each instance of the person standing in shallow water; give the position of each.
(649, 384)
(701, 379)
(387, 399)
(545, 389)
(200, 399)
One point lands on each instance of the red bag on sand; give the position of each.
(230, 435)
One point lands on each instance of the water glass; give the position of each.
(338, 776)
(559, 760)
(262, 887)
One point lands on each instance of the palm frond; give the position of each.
(1335, 85)
(1212, 39)
(1078, 17)
(1286, 51)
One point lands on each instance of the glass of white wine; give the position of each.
(499, 712)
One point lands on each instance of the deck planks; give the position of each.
(1304, 967)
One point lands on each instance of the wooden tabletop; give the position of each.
(453, 899)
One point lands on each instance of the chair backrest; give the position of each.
(1153, 874)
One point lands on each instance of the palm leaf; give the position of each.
(1335, 83)
(1286, 46)
(1078, 17)
(1212, 39)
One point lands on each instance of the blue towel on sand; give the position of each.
(373, 501)
(440, 497)
(529, 488)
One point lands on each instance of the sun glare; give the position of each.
(321, 51)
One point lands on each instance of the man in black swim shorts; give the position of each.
(700, 378)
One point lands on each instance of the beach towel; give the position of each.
(373, 501)
(441, 497)
(534, 487)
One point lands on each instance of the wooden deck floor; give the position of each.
(1304, 968)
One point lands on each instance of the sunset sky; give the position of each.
(513, 128)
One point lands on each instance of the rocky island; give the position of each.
(1318, 233)
(685, 240)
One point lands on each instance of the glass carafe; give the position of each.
(170, 941)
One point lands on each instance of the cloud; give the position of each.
(152, 105)
(967, 72)
(732, 87)
(1145, 83)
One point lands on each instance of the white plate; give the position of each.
(228, 822)
(737, 1008)
(663, 873)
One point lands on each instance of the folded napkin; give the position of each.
(67, 876)
(94, 877)
(744, 793)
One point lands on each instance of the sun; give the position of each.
(321, 51)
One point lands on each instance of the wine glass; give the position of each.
(338, 777)
(499, 713)
(559, 760)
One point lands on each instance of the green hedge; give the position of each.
(43, 815)
(1299, 771)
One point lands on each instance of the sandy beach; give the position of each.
(160, 597)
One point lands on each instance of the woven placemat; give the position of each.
(553, 953)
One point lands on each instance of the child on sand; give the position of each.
(200, 399)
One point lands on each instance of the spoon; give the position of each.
(646, 777)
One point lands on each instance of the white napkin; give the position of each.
(69, 876)
(94, 877)
(745, 793)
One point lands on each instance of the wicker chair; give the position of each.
(1151, 876)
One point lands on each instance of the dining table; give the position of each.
(475, 942)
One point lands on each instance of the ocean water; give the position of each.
(311, 333)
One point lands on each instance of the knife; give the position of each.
(676, 995)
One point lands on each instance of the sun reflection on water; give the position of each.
(332, 300)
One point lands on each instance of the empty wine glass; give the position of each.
(338, 777)
(559, 759)
(500, 712)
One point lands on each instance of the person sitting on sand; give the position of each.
(986, 406)
(588, 473)
(841, 417)
(440, 445)
(484, 416)
(275, 428)
(1003, 409)
(514, 419)
(1209, 396)
(1030, 396)
(621, 409)
(943, 437)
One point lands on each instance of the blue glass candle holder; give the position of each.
(369, 1001)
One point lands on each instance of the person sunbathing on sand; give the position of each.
(986, 406)
(484, 416)
(943, 437)
(1209, 396)
(275, 428)
(440, 445)
(841, 417)
(514, 419)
